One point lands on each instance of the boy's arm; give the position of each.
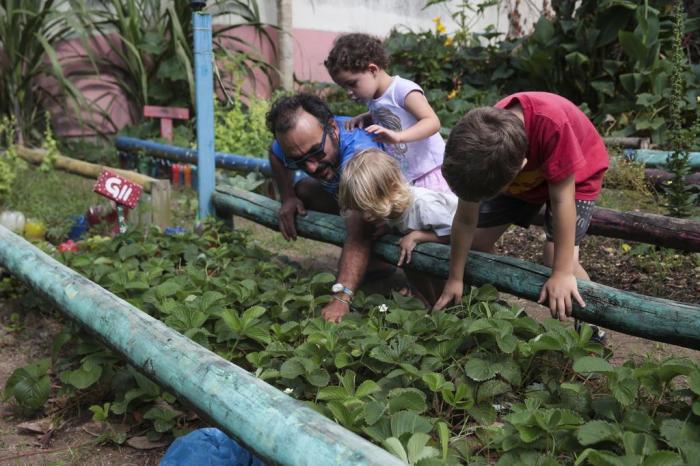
(428, 122)
(463, 229)
(561, 285)
(410, 240)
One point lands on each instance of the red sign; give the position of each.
(118, 189)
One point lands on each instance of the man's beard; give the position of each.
(333, 167)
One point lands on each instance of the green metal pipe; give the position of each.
(276, 427)
(652, 318)
(659, 158)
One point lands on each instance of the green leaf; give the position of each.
(486, 293)
(592, 364)
(323, 278)
(333, 393)
(664, 458)
(638, 444)
(167, 288)
(252, 314)
(130, 250)
(367, 388)
(82, 377)
(480, 370)
(318, 377)
(407, 399)
(418, 450)
(29, 385)
(444, 436)
(394, 446)
(593, 432)
(491, 389)
(694, 381)
(343, 359)
(436, 382)
(632, 45)
(408, 421)
(631, 82)
(292, 368)
(625, 390)
(373, 411)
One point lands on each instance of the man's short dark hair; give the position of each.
(484, 153)
(354, 52)
(283, 114)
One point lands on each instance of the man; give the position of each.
(310, 138)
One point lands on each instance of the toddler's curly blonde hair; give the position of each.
(372, 183)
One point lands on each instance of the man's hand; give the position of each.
(334, 311)
(451, 294)
(558, 291)
(360, 121)
(288, 212)
(407, 244)
(384, 135)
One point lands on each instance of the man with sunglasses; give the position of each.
(311, 139)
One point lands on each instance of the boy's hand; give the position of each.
(407, 244)
(558, 291)
(452, 293)
(384, 135)
(335, 311)
(356, 122)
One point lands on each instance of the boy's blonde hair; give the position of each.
(372, 183)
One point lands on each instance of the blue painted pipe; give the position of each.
(223, 160)
(204, 91)
(657, 158)
(272, 424)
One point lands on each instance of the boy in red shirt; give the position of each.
(504, 162)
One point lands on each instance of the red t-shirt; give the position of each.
(561, 141)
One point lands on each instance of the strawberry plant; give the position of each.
(481, 383)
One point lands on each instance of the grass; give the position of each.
(52, 197)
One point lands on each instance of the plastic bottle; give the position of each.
(188, 175)
(34, 229)
(176, 174)
(13, 221)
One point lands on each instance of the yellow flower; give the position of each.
(448, 42)
(453, 93)
(439, 27)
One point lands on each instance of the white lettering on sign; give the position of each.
(115, 188)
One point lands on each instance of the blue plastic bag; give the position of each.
(208, 447)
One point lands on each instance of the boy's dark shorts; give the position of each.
(504, 210)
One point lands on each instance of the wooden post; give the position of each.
(158, 189)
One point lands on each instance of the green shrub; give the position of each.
(242, 129)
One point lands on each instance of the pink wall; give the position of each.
(310, 49)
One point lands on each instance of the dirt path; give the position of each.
(70, 443)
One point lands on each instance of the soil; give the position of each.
(73, 441)
(665, 274)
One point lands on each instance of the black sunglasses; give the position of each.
(316, 153)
